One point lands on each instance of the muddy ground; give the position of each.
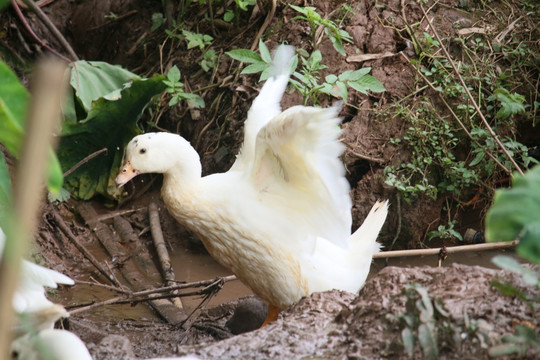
(324, 326)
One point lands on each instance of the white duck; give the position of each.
(49, 344)
(280, 218)
(29, 300)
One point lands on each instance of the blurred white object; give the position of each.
(29, 299)
(50, 344)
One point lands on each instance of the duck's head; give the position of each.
(158, 153)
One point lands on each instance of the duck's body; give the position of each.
(280, 218)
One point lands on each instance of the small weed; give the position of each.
(157, 21)
(209, 61)
(432, 167)
(445, 232)
(176, 89)
(425, 323)
(336, 35)
(257, 63)
(196, 40)
(307, 79)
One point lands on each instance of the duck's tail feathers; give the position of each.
(364, 239)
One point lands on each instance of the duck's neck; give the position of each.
(182, 184)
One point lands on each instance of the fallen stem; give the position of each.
(146, 295)
(62, 225)
(448, 250)
(85, 160)
(161, 249)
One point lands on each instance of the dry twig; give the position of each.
(161, 249)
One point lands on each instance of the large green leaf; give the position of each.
(3, 3)
(92, 80)
(14, 103)
(14, 100)
(110, 123)
(5, 187)
(516, 213)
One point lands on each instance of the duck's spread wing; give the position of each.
(297, 170)
(266, 105)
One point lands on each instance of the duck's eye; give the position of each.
(142, 151)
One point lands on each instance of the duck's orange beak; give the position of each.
(127, 172)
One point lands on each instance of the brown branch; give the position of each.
(73, 239)
(267, 22)
(161, 249)
(449, 250)
(53, 29)
(148, 295)
(85, 160)
(471, 98)
(32, 34)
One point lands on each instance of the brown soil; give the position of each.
(332, 325)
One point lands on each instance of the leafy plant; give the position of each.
(157, 21)
(424, 323)
(101, 112)
(510, 104)
(209, 61)
(257, 63)
(242, 5)
(445, 232)
(176, 89)
(356, 79)
(196, 40)
(524, 338)
(306, 80)
(432, 166)
(336, 35)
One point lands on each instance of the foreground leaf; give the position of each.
(514, 214)
(14, 104)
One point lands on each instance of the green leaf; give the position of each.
(428, 342)
(331, 78)
(355, 75)
(511, 104)
(514, 214)
(407, 337)
(110, 124)
(157, 21)
(173, 75)
(96, 79)
(245, 55)
(265, 53)
(343, 91)
(511, 264)
(14, 102)
(367, 83)
(228, 16)
(254, 68)
(5, 187)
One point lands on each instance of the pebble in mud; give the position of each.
(248, 315)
